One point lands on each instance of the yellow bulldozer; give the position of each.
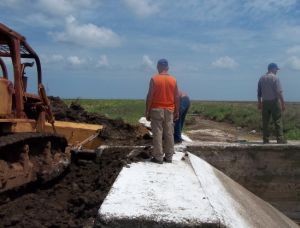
(33, 146)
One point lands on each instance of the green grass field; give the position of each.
(243, 114)
(128, 110)
(246, 114)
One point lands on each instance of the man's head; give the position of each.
(162, 65)
(272, 67)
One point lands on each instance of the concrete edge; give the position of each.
(235, 205)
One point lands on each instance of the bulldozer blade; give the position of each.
(78, 134)
(85, 154)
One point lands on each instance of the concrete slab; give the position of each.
(186, 193)
(233, 204)
(292, 144)
(154, 195)
(270, 171)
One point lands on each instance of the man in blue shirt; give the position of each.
(184, 107)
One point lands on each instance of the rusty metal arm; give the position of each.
(4, 69)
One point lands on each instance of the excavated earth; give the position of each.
(73, 200)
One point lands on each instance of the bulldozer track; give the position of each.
(22, 138)
(27, 157)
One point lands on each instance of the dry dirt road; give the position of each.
(199, 128)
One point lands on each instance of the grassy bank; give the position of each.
(128, 110)
(245, 114)
(242, 114)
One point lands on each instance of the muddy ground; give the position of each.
(73, 200)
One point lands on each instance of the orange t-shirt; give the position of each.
(164, 86)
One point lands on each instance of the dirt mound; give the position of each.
(115, 131)
(73, 201)
(76, 113)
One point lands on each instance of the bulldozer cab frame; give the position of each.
(30, 148)
(25, 110)
(28, 153)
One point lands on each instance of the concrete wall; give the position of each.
(272, 172)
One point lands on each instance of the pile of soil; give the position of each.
(71, 202)
(115, 131)
(74, 199)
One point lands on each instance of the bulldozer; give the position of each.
(33, 146)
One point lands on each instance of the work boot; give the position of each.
(266, 141)
(167, 160)
(156, 161)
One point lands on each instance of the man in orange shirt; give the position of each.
(162, 108)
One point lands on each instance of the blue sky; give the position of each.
(217, 49)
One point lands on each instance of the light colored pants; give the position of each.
(162, 128)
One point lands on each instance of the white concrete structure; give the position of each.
(186, 193)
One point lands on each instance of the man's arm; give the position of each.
(259, 96)
(177, 103)
(280, 95)
(259, 103)
(282, 101)
(149, 100)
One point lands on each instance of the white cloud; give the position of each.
(51, 6)
(293, 50)
(103, 61)
(75, 60)
(54, 58)
(49, 13)
(293, 62)
(147, 63)
(227, 11)
(204, 10)
(187, 67)
(39, 19)
(56, 7)
(11, 3)
(209, 47)
(51, 9)
(65, 7)
(57, 58)
(288, 33)
(270, 5)
(142, 8)
(225, 62)
(89, 35)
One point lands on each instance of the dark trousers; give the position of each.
(272, 108)
(184, 107)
